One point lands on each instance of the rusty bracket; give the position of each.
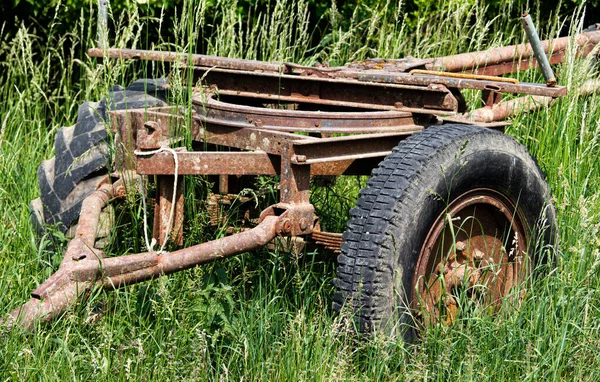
(296, 219)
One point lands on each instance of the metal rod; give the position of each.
(510, 108)
(84, 266)
(538, 50)
(103, 24)
(193, 59)
(511, 55)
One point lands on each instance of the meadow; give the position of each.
(268, 315)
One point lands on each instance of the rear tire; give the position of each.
(82, 157)
(408, 194)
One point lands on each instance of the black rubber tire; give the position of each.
(82, 154)
(404, 196)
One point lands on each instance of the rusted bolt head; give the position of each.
(299, 158)
(460, 246)
(477, 254)
(286, 226)
(303, 224)
(120, 192)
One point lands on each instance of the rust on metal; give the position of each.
(209, 163)
(185, 58)
(473, 61)
(460, 83)
(342, 91)
(167, 227)
(296, 122)
(329, 240)
(500, 111)
(478, 247)
(294, 179)
(468, 76)
(345, 148)
(84, 266)
(210, 108)
(249, 163)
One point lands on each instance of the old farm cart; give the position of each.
(452, 202)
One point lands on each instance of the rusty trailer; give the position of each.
(452, 203)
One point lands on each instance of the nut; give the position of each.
(286, 226)
(303, 224)
(299, 158)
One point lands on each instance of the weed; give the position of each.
(267, 315)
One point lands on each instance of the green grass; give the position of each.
(267, 315)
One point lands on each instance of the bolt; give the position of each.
(477, 254)
(460, 246)
(303, 224)
(299, 158)
(445, 267)
(286, 225)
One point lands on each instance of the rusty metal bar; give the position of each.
(190, 59)
(343, 92)
(162, 208)
(454, 63)
(345, 148)
(467, 76)
(329, 240)
(335, 149)
(460, 83)
(77, 277)
(209, 163)
(154, 129)
(270, 118)
(506, 109)
(162, 164)
(87, 227)
(245, 138)
(294, 180)
(475, 60)
(520, 64)
(146, 266)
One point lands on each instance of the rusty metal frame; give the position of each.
(280, 119)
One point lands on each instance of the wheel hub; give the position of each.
(475, 251)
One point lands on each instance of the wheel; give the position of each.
(82, 155)
(453, 209)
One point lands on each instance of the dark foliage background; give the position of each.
(39, 14)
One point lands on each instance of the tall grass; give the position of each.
(267, 315)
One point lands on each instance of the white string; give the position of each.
(150, 245)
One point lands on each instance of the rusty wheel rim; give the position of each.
(476, 249)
